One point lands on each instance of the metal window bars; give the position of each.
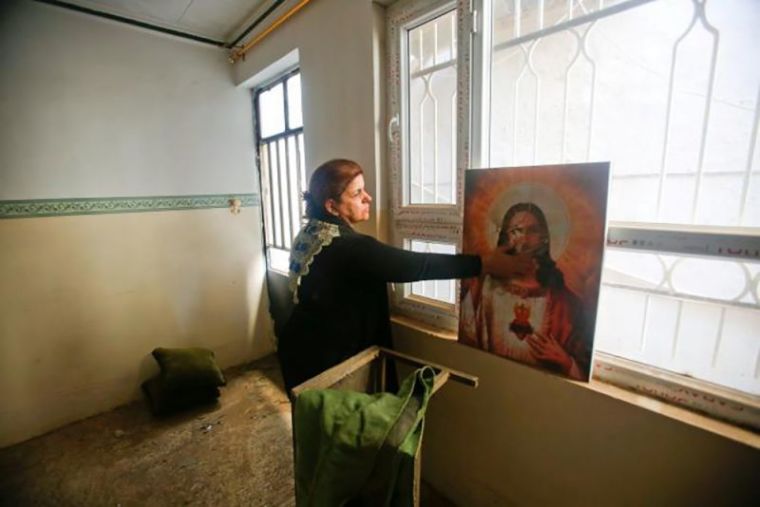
(432, 119)
(281, 162)
(697, 168)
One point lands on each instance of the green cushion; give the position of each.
(188, 368)
(165, 401)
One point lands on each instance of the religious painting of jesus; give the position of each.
(555, 217)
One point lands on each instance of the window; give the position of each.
(280, 151)
(665, 92)
(424, 147)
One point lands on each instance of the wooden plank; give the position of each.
(456, 375)
(332, 376)
(440, 379)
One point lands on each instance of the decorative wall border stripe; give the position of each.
(32, 208)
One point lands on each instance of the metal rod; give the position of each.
(301, 173)
(281, 135)
(672, 294)
(516, 17)
(516, 103)
(750, 157)
(566, 105)
(700, 7)
(256, 22)
(453, 147)
(134, 22)
(718, 337)
(540, 14)
(435, 138)
(644, 322)
(293, 184)
(537, 90)
(684, 175)
(275, 169)
(609, 11)
(282, 167)
(421, 111)
(238, 53)
(458, 376)
(677, 330)
(266, 193)
(702, 241)
(584, 50)
(668, 112)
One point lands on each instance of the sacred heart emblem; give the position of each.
(521, 324)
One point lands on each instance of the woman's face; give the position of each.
(353, 206)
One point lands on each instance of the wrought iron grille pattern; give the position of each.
(668, 92)
(663, 90)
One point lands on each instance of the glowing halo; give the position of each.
(573, 199)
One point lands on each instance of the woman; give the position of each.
(338, 277)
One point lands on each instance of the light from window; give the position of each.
(432, 98)
(440, 290)
(281, 164)
(664, 91)
(295, 117)
(271, 111)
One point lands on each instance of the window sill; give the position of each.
(684, 415)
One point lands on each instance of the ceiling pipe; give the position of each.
(239, 52)
(133, 22)
(255, 23)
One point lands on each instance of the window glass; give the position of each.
(441, 290)
(662, 90)
(271, 111)
(281, 166)
(295, 116)
(432, 121)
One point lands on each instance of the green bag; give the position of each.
(359, 448)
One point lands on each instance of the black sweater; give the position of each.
(343, 300)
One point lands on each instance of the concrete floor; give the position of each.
(237, 452)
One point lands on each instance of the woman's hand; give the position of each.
(547, 349)
(502, 265)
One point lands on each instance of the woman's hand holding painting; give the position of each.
(500, 264)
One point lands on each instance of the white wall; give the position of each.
(525, 437)
(334, 43)
(92, 108)
(521, 438)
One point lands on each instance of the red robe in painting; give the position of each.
(484, 318)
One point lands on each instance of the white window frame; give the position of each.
(443, 222)
(427, 222)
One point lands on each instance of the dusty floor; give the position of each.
(237, 452)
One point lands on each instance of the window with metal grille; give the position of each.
(280, 150)
(424, 146)
(665, 91)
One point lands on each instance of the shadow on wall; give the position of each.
(280, 300)
(85, 299)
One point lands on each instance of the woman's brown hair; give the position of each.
(328, 181)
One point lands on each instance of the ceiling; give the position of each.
(218, 20)
(221, 21)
